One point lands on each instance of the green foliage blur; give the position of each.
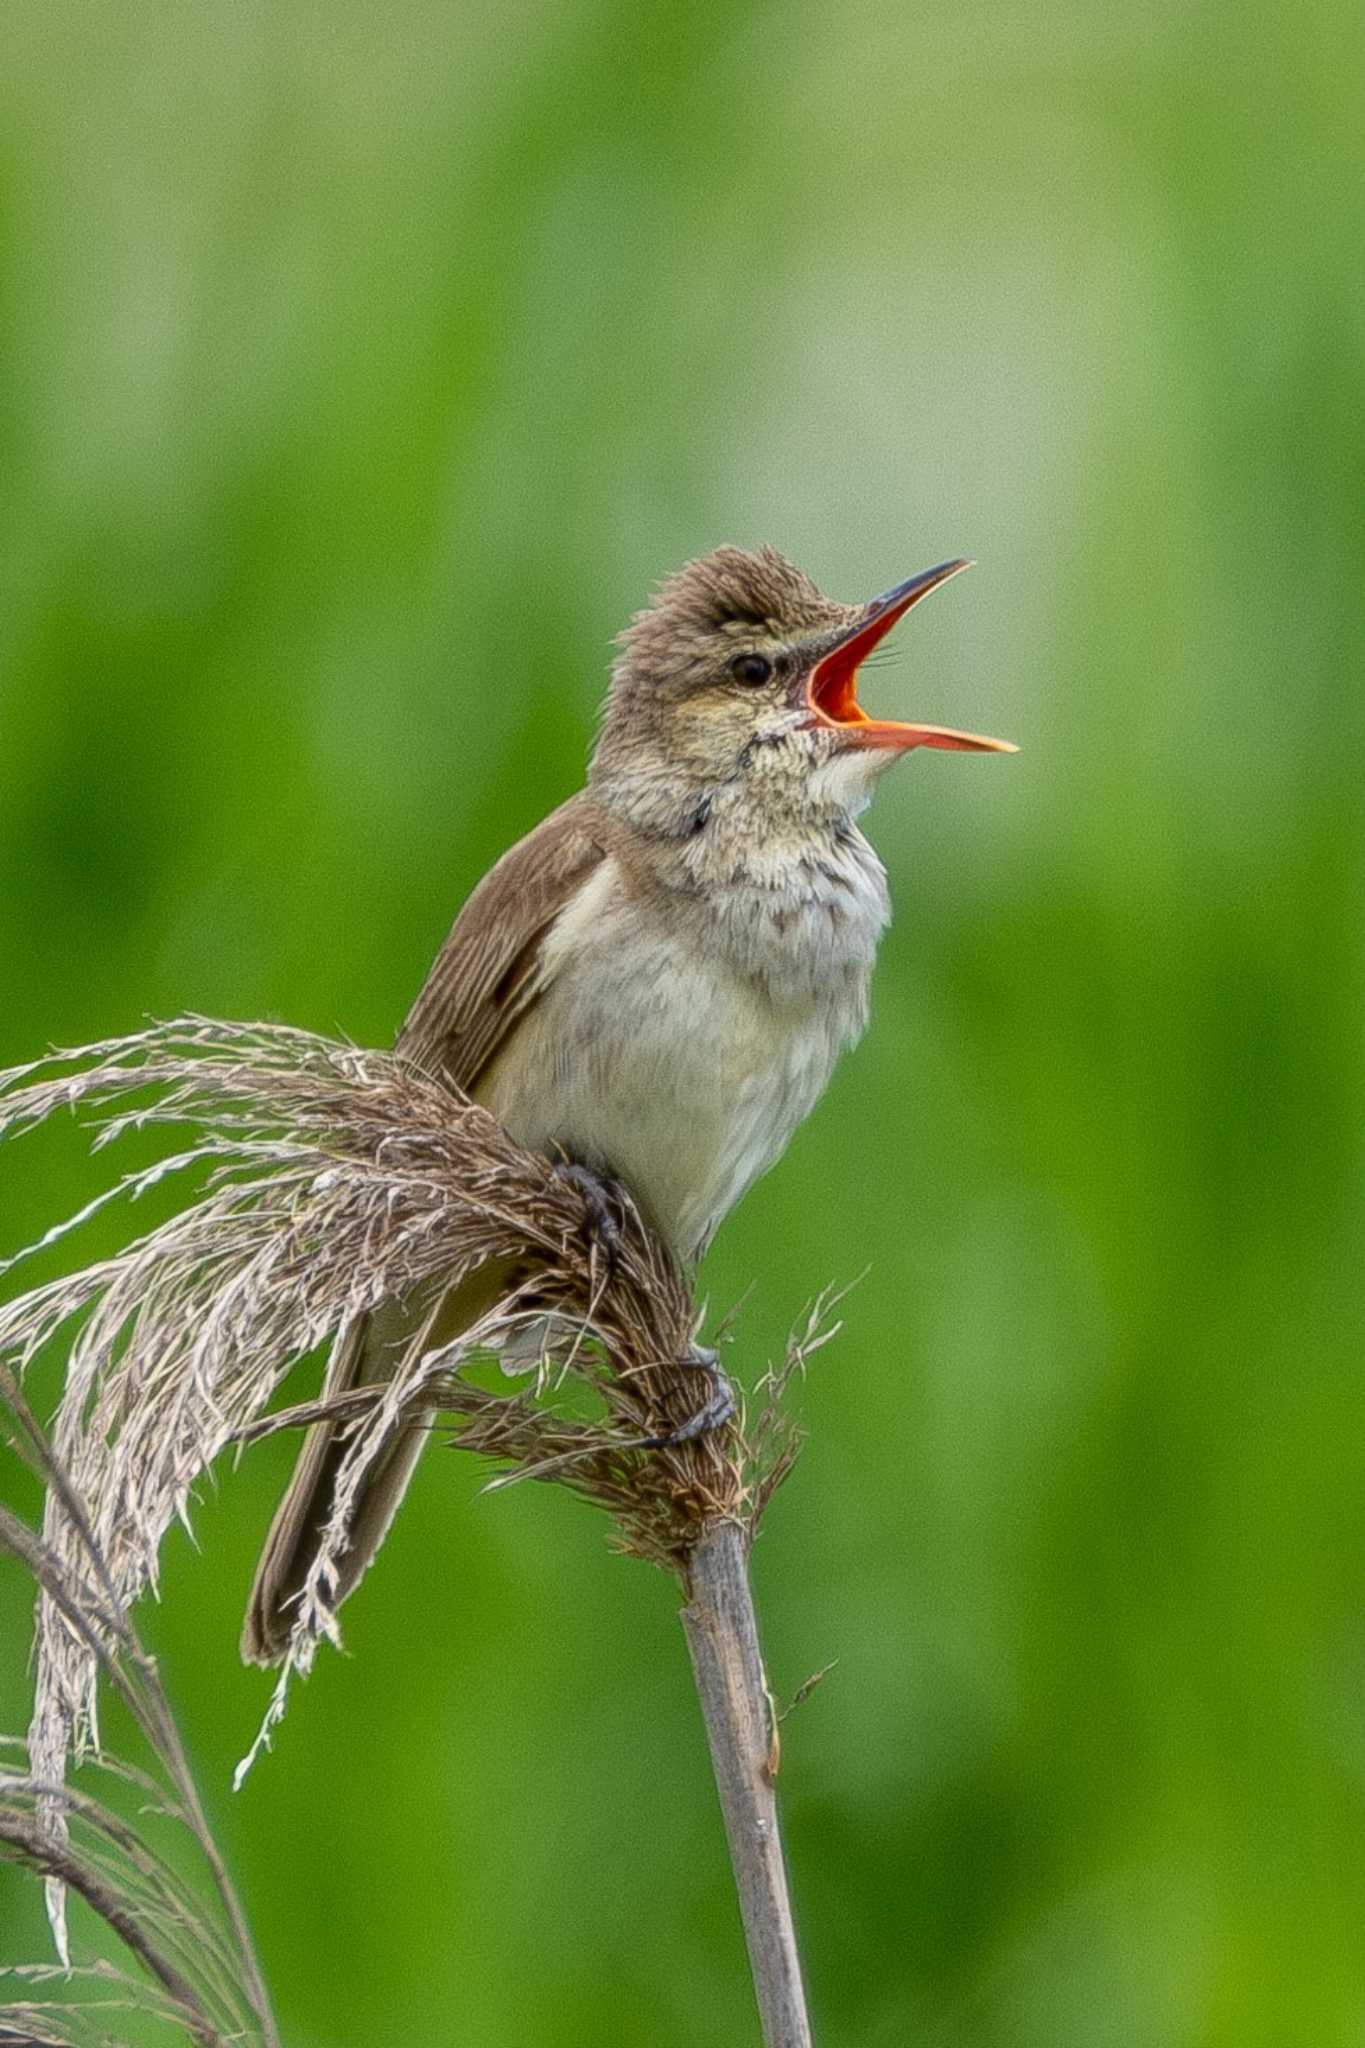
(362, 369)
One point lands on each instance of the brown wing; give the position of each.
(489, 971)
(487, 974)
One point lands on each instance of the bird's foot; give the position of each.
(714, 1412)
(603, 1200)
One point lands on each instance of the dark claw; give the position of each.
(602, 1200)
(714, 1412)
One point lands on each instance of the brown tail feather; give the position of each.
(299, 1520)
(363, 1353)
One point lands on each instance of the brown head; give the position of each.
(741, 666)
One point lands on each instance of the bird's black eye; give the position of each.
(751, 668)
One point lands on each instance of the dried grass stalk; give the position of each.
(329, 1179)
(198, 1973)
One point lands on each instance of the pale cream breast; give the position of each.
(681, 1040)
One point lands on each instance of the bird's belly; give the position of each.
(674, 1076)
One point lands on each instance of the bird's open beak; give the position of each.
(832, 688)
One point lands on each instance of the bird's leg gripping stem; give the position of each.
(602, 1203)
(714, 1412)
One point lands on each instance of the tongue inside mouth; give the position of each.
(834, 689)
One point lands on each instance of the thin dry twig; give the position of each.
(721, 1627)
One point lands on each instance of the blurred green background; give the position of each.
(362, 370)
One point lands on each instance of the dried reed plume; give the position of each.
(329, 1179)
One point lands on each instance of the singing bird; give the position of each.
(656, 983)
